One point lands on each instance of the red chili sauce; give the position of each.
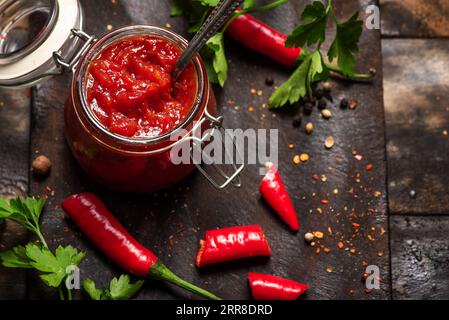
(130, 89)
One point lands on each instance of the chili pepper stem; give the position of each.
(161, 272)
(357, 76)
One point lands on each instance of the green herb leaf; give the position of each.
(176, 8)
(248, 4)
(312, 29)
(215, 59)
(210, 3)
(5, 209)
(119, 289)
(15, 258)
(123, 289)
(311, 68)
(55, 266)
(346, 44)
(91, 289)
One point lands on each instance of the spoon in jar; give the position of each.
(215, 20)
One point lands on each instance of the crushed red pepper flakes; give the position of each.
(329, 269)
(327, 250)
(355, 224)
(369, 167)
(340, 245)
(315, 177)
(324, 201)
(365, 264)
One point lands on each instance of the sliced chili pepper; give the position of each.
(262, 38)
(232, 244)
(268, 287)
(95, 220)
(273, 190)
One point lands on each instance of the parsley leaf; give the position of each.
(91, 289)
(119, 289)
(248, 4)
(176, 8)
(346, 44)
(53, 265)
(312, 28)
(25, 212)
(15, 258)
(311, 68)
(215, 59)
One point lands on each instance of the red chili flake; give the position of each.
(327, 250)
(365, 264)
(340, 245)
(315, 177)
(355, 224)
(324, 201)
(369, 167)
(353, 104)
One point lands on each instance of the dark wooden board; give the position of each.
(417, 116)
(185, 211)
(415, 18)
(14, 172)
(419, 249)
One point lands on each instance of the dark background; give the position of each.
(411, 254)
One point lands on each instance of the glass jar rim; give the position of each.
(127, 32)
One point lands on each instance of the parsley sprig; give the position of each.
(119, 289)
(53, 267)
(310, 34)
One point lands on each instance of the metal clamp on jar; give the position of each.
(41, 38)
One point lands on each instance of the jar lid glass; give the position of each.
(31, 32)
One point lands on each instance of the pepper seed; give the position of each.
(309, 127)
(308, 237)
(326, 113)
(329, 142)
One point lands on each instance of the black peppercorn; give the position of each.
(308, 108)
(319, 93)
(269, 81)
(322, 104)
(344, 104)
(297, 121)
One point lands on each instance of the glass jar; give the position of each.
(121, 163)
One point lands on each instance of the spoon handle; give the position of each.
(214, 21)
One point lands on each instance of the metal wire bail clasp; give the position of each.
(73, 61)
(234, 178)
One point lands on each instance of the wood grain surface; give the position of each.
(14, 171)
(173, 221)
(417, 116)
(419, 249)
(415, 18)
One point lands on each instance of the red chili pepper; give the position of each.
(95, 220)
(232, 244)
(273, 190)
(262, 38)
(267, 287)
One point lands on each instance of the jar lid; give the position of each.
(31, 32)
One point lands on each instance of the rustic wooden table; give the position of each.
(173, 221)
